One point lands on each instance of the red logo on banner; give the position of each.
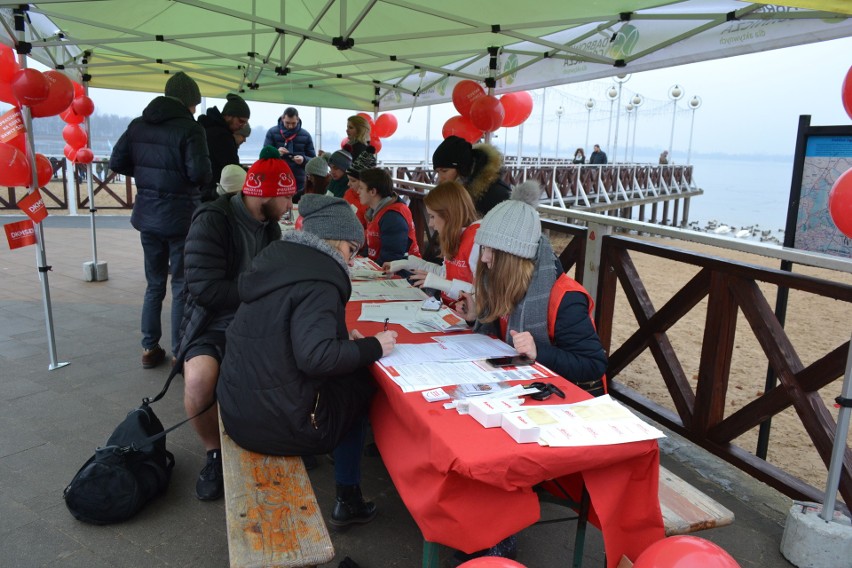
(33, 206)
(11, 123)
(20, 234)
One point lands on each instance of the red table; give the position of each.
(469, 487)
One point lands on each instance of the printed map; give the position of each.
(826, 158)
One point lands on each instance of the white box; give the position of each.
(520, 427)
(488, 411)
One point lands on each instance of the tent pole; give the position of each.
(839, 447)
(93, 271)
(41, 254)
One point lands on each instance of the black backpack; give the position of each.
(132, 468)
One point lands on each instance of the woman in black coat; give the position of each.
(294, 380)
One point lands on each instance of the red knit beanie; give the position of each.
(269, 176)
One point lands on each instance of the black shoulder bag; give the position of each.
(132, 468)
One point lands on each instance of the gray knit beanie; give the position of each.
(245, 130)
(182, 87)
(330, 218)
(341, 159)
(236, 106)
(317, 166)
(514, 226)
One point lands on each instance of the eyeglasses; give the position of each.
(544, 390)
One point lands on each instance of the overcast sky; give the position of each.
(750, 104)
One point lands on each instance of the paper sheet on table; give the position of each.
(387, 290)
(475, 346)
(413, 317)
(365, 269)
(425, 376)
(597, 422)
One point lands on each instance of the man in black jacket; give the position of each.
(220, 128)
(294, 143)
(165, 150)
(225, 236)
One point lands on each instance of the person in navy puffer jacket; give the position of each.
(295, 145)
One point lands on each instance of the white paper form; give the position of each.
(395, 312)
(386, 290)
(415, 377)
(597, 422)
(473, 346)
(416, 353)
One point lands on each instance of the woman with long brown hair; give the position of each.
(453, 217)
(523, 297)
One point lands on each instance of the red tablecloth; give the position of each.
(469, 487)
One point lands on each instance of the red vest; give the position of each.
(458, 268)
(374, 237)
(562, 286)
(351, 196)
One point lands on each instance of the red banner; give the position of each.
(33, 206)
(11, 124)
(20, 234)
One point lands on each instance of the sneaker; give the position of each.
(152, 357)
(210, 485)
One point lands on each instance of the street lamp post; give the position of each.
(629, 108)
(693, 104)
(611, 94)
(675, 94)
(620, 79)
(637, 101)
(590, 104)
(559, 112)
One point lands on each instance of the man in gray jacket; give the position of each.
(165, 150)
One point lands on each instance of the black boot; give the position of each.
(350, 507)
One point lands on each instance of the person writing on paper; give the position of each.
(522, 296)
(452, 215)
(294, 381)
(390, 227)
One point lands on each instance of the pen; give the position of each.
(386, 323)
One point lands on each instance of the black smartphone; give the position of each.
(514, 361)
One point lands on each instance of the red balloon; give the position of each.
(840, 203)
(14, 167)
(368, 118)
(79, 90)
(44, 170)
(75, 136)
(343, 143)
(8, 64)
(685, 552)
(465, 93)
(518, 107)
(69, 152)
(846, 93)
(83, 105)
(71, 117)
(486, 113)
(19, 142)
(491, 562)
(30, 86)
(386, 125)
(376, 143)
(59, 97)
(6, 94)
(462, 127)
(84, 156)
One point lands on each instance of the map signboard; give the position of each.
(823, 154)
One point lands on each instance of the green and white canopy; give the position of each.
(389, 54)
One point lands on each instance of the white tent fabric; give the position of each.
(390, 54)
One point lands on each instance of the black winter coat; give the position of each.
(300, 145)
(222, 146)
(485, 183)
(165, 150)
(289, 355)
(212, 258)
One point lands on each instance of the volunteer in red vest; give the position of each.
(390, 228)
(452, 215)
(522, 296)
(365, 161)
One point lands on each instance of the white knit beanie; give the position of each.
(232, 179)
(514, 226)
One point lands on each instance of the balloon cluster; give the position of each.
(46, 94)
(840, 196)
(480, 112)
(383, 127)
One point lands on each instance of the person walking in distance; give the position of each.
(294, 144)
(166, 152)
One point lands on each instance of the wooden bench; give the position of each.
(686, 509)
(272, 512)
